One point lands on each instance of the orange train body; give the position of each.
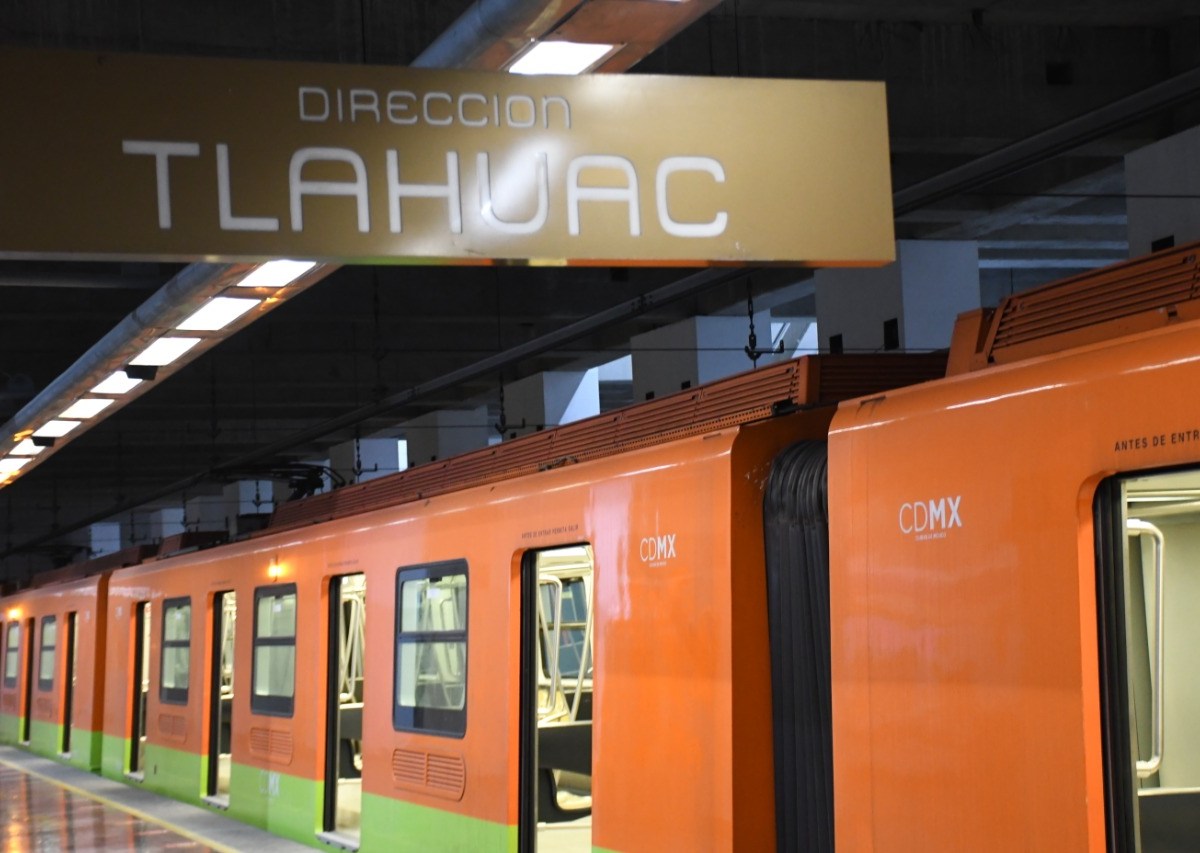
(988, 657)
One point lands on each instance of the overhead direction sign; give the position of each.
(132, 156)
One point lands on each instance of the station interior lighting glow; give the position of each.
(276, 273)
(164, 351)
(560, 57)
(86, 408)
(117, 383)
(217, 313)
(55, 428)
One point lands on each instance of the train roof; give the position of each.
(1134, 296)
(807, 382)
(803, 383)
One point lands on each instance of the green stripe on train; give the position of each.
(10, 728)
(293, 807)
(46, 739)
(280, 803)
(171, 772)
(113, 753)
(389, 824)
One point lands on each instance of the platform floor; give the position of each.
(48, 806)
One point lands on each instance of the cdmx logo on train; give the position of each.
(930, 519)
(656, 550)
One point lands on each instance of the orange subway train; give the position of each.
(881, 602)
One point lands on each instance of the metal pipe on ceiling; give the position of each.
(1056, 140)
(167, 305)
(80, 281)
(487, 22)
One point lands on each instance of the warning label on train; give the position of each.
(172, 158)
(1162, 439)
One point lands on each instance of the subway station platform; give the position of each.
(48, 806)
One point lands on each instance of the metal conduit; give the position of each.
(1056, 140)
(487, 22)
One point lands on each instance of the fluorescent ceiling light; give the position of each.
(164, 351)
(55, 429)
(8, 464)
(216, 314)
(560, 57)
(26, 448)
(86, 408)
(118, 383)
(276, 273)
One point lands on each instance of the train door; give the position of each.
(140, 687)
(556, 700)
(220, 710)
(344, 705)
(68, 682)
(27, 695)
(12, 674)
(1148, 538)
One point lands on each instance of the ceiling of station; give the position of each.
(963, 79)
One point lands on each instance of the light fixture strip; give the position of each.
(560, 57)
(86, 408)
(276, 273)
(217, 313)
(164, 351)
(55, 428)
(117, 383)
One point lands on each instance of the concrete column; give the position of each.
(248, 505)
(104, 538)
(165, 522)
(365, 459)
(697, 350)
(907, 305)
(1169, 167)
(137, 527)
(445, 433)
(550, 399)
(206, 512)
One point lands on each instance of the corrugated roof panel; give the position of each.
(756, 395)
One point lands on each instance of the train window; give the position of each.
(274, 663)
(12, 648)
(45, 680)
(431, 648)
(571, 629)
(176, 651)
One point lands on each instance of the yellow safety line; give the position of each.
(130, 810)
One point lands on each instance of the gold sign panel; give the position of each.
(193, 159)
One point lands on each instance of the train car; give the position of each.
(1015, 591)
(557, 643)
(961, 617)
(52, 685)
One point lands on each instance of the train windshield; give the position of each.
(1152, 634)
